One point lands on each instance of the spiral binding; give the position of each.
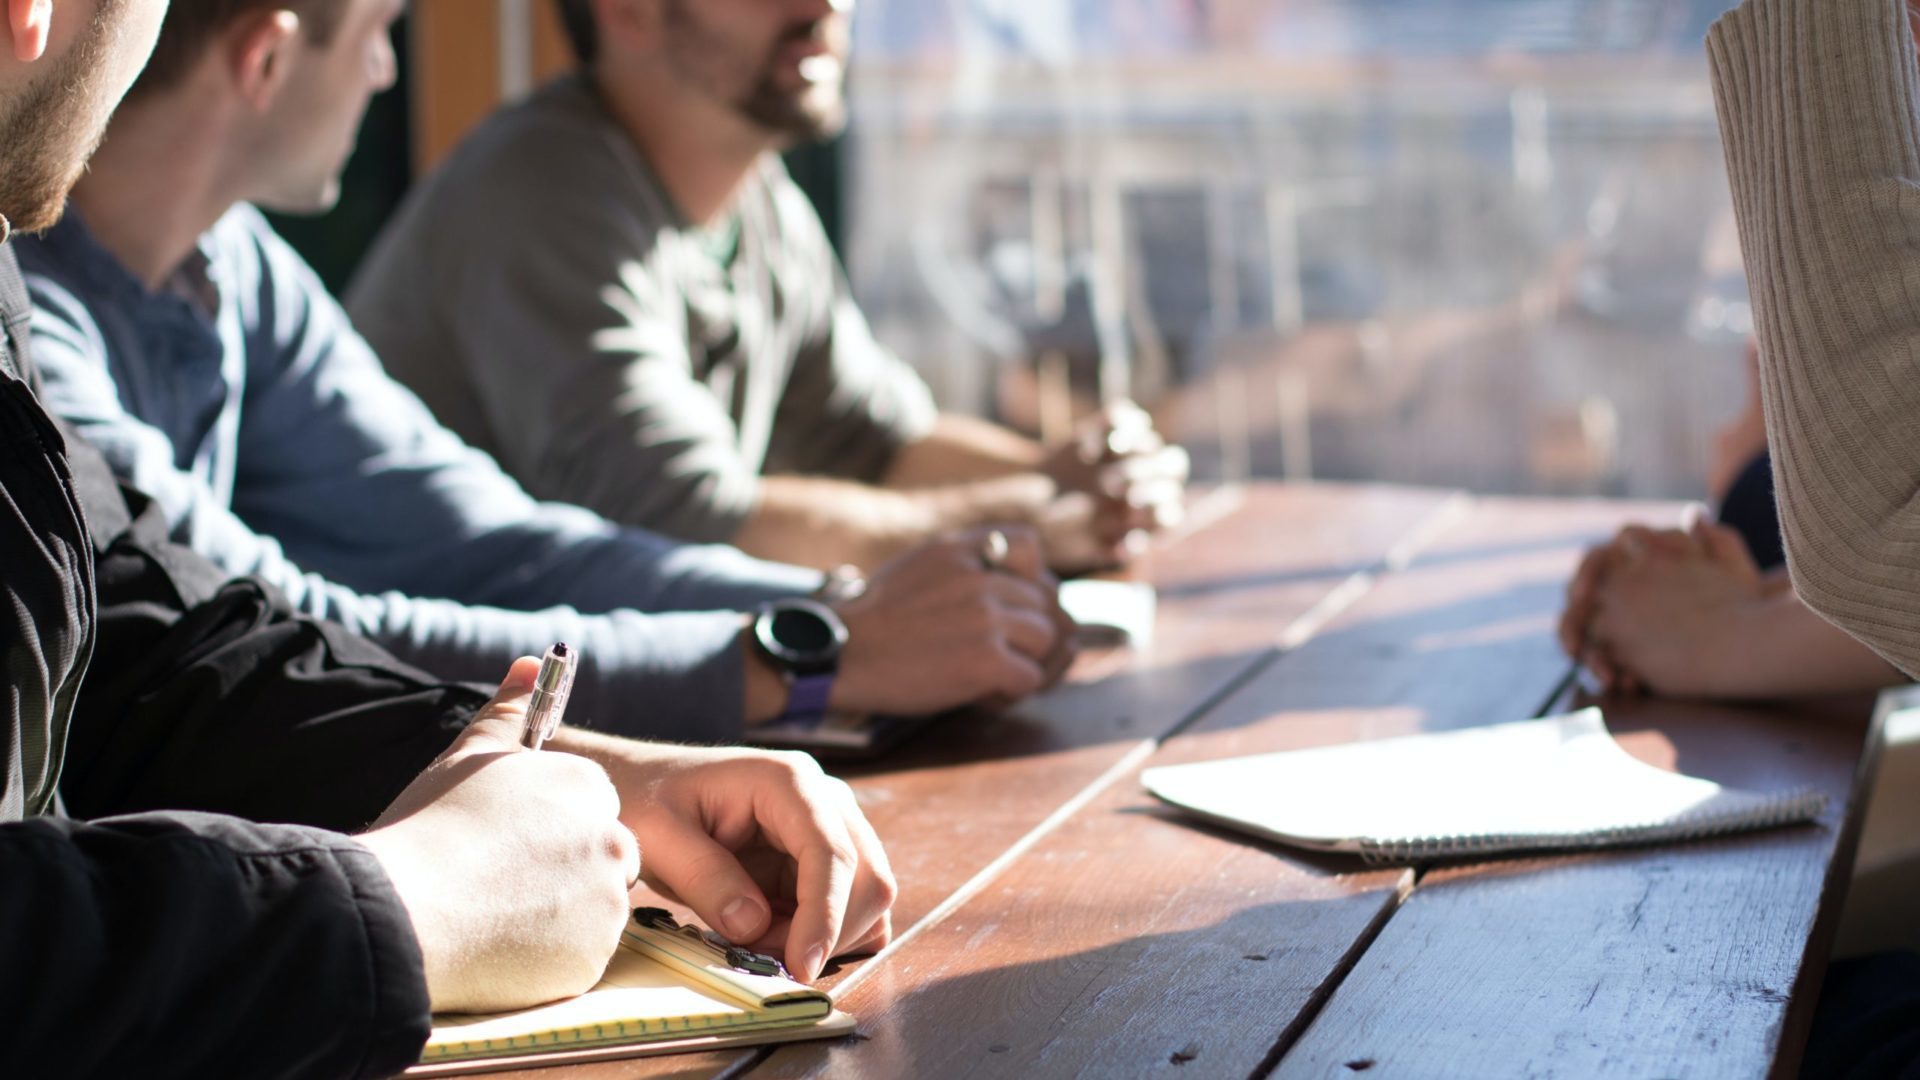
(1799, 804)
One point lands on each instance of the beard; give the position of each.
(50, 129)
(704, 58)
(806, 115)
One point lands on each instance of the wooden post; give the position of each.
(456, 73)
(459, 52)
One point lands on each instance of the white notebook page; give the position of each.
(1561, 782)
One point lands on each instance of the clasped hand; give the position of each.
(1118, 481)
(1660, 609)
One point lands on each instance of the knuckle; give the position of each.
(618, 846)
(842, 855)
(886, 887)
(797, 764)
(1017, 681)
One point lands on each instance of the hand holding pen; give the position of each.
(513, 867)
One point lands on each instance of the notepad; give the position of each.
(1556, 784)
(662, 993)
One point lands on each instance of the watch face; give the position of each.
(802, 635)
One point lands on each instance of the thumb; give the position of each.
(689, 864)
(1727, 546)
(496, 726)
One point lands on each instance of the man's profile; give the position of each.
(615, 288)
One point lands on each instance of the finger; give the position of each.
(1693, 517)
(1014, 675)
(1727, 546)
(1597, 660)
(1679, 542)
(824, 884)
(1026, 556)
(497, 725)
(705, 876)
(867, 924)
(1580, 594)
(1031, 633)
(1021, 594)
(1167, 466)
(1633, 544)
(1155, 493)
(1066, 647)
(1114, 522)
(629, 853)
(879, 937)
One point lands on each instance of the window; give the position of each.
(1465, 242)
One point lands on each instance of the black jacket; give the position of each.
(188, 942)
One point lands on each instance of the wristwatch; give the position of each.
(803, 639)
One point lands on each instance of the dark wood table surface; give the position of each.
(1055, 921)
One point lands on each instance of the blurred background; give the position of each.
(1479, 243)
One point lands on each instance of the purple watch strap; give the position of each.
(808, 698)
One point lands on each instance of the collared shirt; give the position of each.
(546, 298)
(242, 400)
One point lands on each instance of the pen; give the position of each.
(550, 690)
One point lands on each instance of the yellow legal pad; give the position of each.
(662, 993)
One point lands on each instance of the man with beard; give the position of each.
(616, 290)
(205, 360)
(158, 942)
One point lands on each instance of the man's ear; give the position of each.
(29, 23)
(259, 52)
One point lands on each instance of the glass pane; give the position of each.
(1464, 242)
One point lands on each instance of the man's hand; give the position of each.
(763, 846)
(1627, 548)
(938, 628)
(512, 864)
(1118, 480)
(1668, 610)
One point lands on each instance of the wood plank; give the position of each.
(957, 799)
(1684, 960)
(1127, 941)
(455, 67)
(552, 54)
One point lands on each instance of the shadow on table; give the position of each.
(1570, 542)
(1319, 864)
(1212, 1000)
(1127, 706)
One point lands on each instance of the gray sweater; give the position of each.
(544, 296)
(1818, 106)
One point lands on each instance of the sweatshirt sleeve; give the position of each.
(558, 573)
(1818, 117)
(189, 945)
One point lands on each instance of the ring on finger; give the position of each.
(994, 551)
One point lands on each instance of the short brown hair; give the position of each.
(191, 26)
(576, 18)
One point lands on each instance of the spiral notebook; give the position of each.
(1558, 784)
(665, 991)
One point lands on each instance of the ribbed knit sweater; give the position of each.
(1817, 103)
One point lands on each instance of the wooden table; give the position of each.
(1054, 921)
